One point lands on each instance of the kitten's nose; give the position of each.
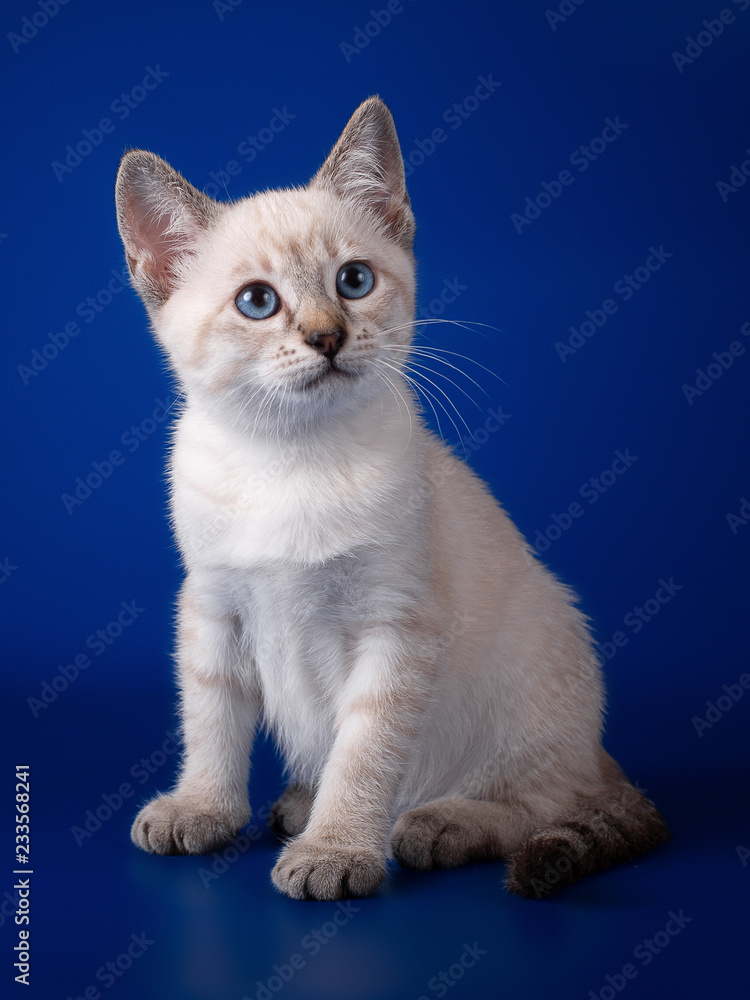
(327, 342)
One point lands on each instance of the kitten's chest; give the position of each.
(243, 506)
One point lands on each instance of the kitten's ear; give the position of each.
(365, 167)
(161, 219)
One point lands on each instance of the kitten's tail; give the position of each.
(618, 825)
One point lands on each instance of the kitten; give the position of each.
(351, 584)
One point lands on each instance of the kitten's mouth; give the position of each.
(331, 372)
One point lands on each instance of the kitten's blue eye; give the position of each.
(354, 280)
(258, 301)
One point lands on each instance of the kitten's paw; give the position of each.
(443, 834)
(544, 864)
(172, 825)
(307, 869)
(289, 815)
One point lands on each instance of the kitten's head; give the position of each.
(286, 305)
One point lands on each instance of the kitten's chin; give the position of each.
(295, 403)
(330, 392)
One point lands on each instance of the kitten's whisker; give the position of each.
(432, 320)
(397, 396)
(402, 374)
(425, 392)
(179, 396)
(272, 404)
(268, 392)
(399, 400)
(247, 402)
(280, 409)
(415, 364)
(464, 324)
(467, 324)
(441, 390)
(421, 349)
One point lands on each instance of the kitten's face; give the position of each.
(292, 300)
(288, 305)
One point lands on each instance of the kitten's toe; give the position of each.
(289, 815)
(169, 825)
(308, 870)
(442, 834)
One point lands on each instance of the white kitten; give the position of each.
(350, 583)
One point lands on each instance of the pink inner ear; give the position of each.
(156, 240)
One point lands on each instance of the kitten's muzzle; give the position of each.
(327, 342)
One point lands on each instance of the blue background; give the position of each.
(225, 73)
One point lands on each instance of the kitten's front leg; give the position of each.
(209, 804)
(342, 850)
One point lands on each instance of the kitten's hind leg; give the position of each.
(454, 831)
(289, 815)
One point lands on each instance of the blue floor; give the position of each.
(674, 924)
